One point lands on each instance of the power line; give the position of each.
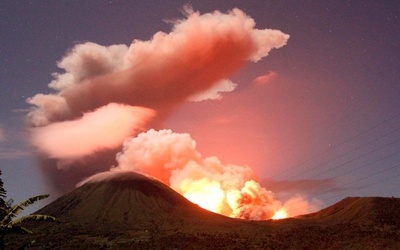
(352, 150)
(363, 166)
(355, 181)
(311, 134)
(354, 169)
(359, 188)
(336, 146)
(347, 162)
(363, 178)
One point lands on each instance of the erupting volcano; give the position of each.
(116, 98)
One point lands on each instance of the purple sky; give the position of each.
(326, 122)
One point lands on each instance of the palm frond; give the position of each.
(17, 229)
(8, 213)
(34, 217)
(9, 202)
(17, 209)
(3, 192)
(30, 201)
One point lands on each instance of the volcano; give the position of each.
(127, 210)
(127, 200)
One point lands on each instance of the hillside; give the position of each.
(361, 210)
(131, 211)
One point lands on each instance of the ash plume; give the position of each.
(109, 96)
(199, 52)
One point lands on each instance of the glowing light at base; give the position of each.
(249, 202)
(280, 214)
(204, 193)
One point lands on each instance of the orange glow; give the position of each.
(248, 202)
(280, 214)
(207, 194)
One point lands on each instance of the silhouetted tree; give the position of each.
(9, 223)
(3, 195)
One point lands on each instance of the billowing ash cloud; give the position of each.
(109, 94)
(199, 53)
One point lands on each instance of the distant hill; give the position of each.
(131, 211)
(361, 210)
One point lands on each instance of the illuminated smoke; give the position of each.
(222, 188)
(102, 129)
(196, 57)
(261, 80)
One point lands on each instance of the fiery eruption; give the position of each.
(221, 188)
(109, 97)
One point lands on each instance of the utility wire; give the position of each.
(362, 187)
(312, 134)
(361, 179)
(347, 162)
(351, 151)
(335, 146)
(355, 181)
(354, 169)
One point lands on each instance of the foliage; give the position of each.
(3, 194)
(9, 223)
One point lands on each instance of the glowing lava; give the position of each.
(207, 194)
(251, 201)
(280, 214)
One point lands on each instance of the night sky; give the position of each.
(319, 116)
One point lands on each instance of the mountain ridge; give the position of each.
(132, 211)
(361, 210)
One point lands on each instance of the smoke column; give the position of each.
(109, 96)
(173, 158)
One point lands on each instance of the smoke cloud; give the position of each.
(173, 159)
(199, 53)
(102, 129)
(261, 80)
(223, 188)
(108, 96)
(214, 92)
